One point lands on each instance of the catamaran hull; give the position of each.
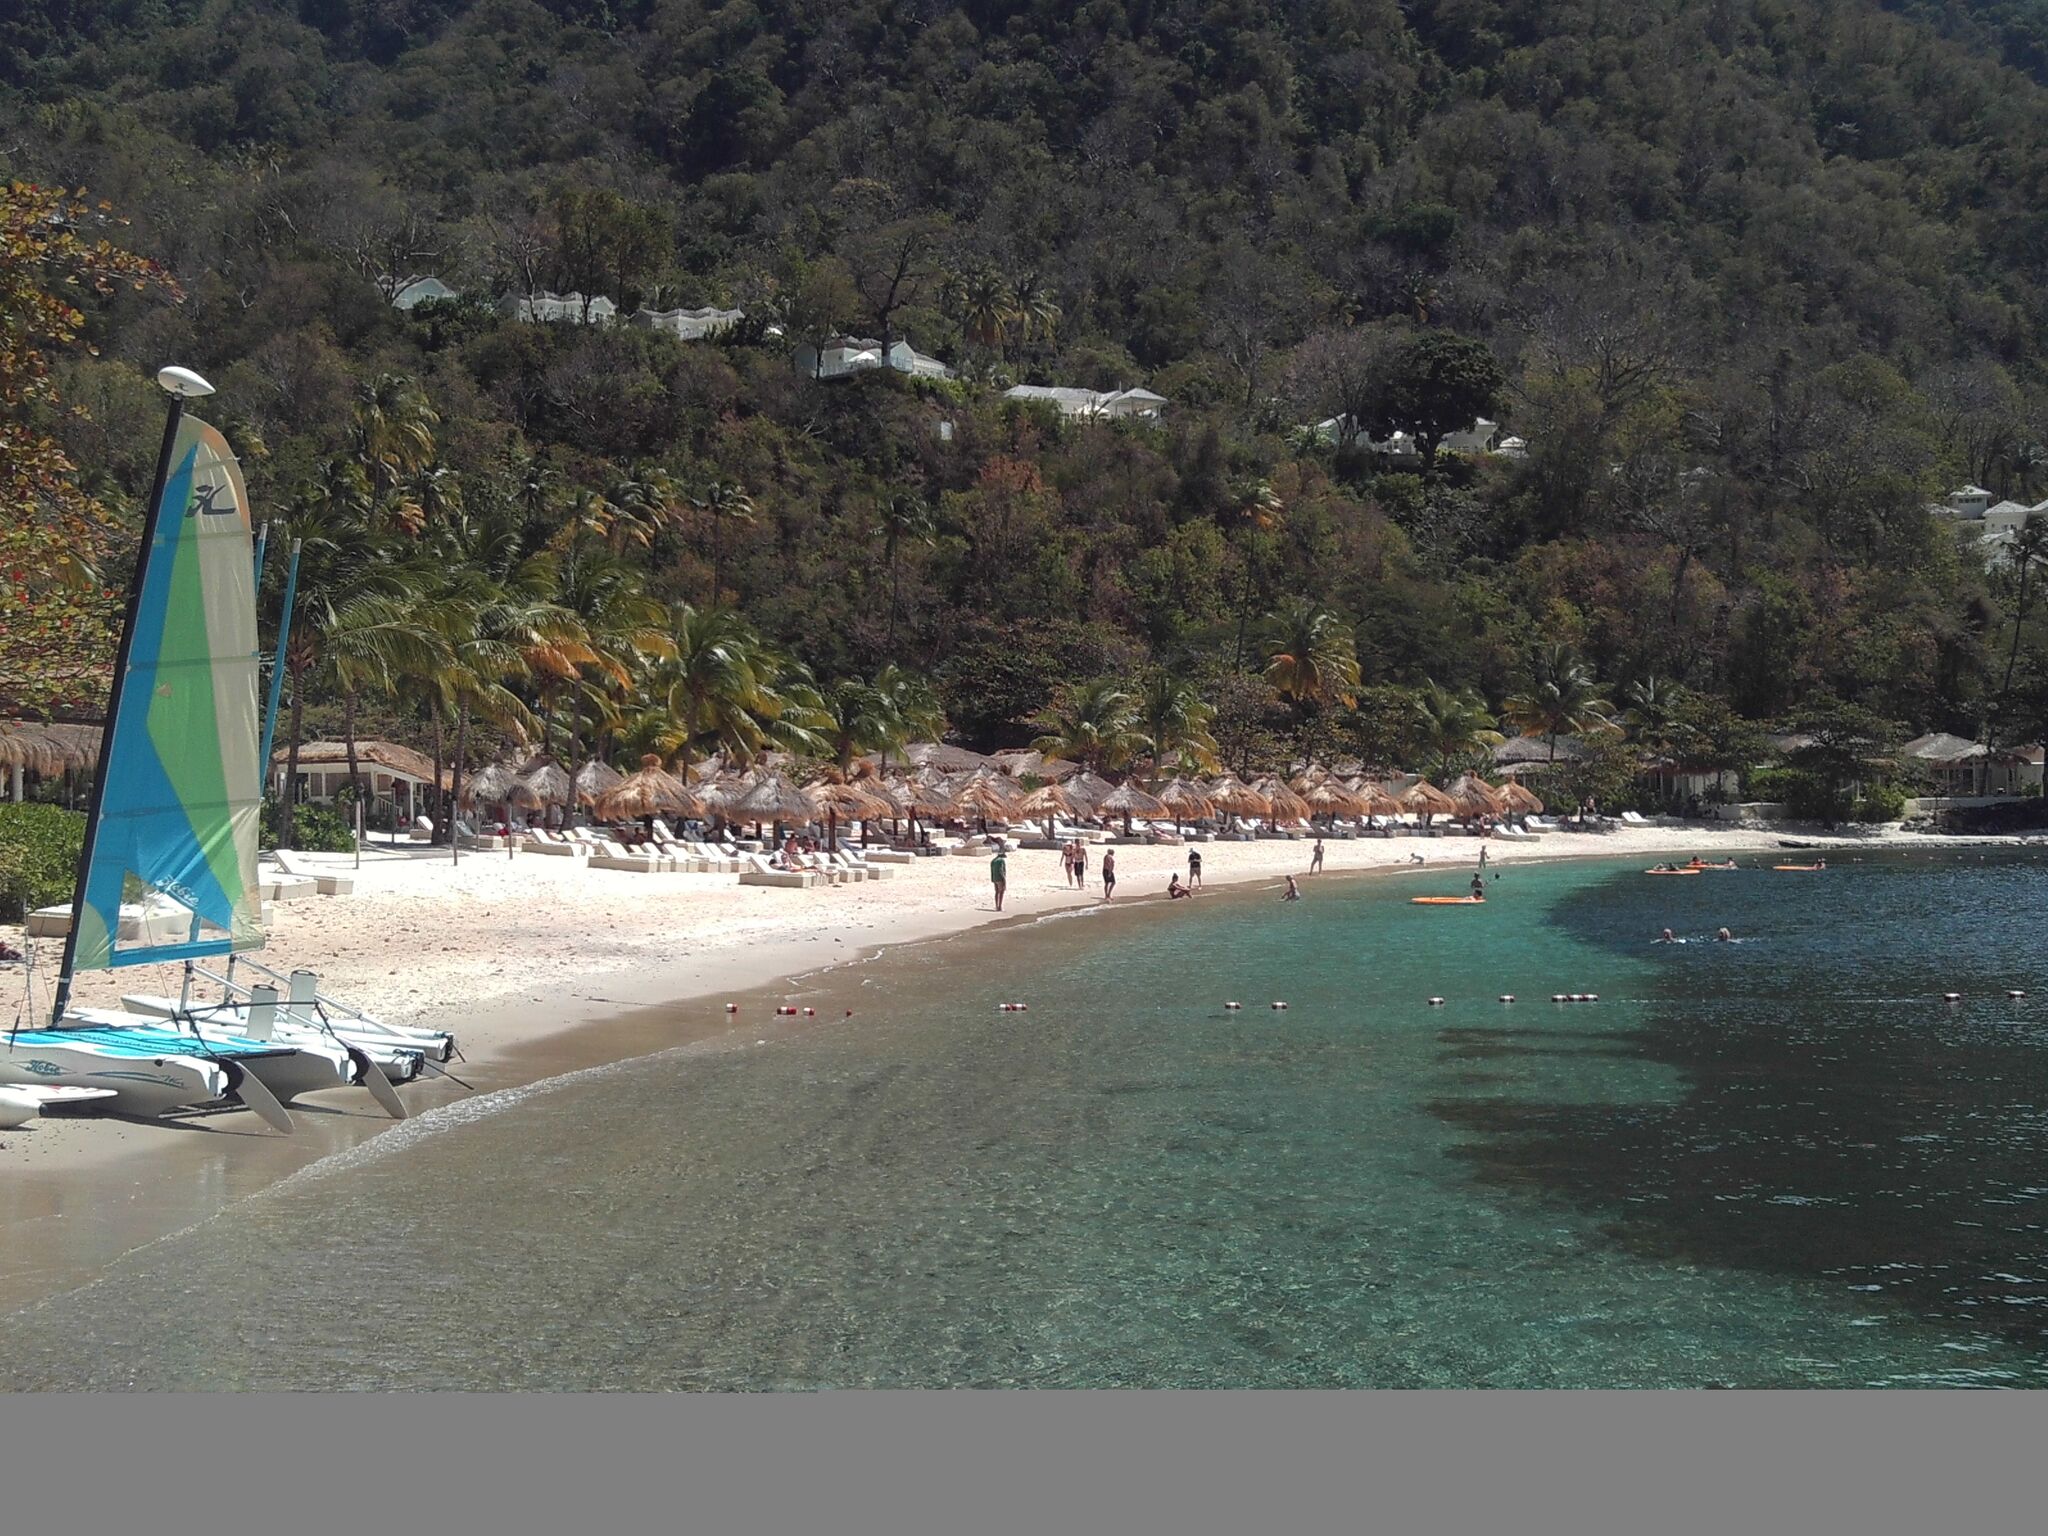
(287, 1068)
(143, 1086)
(400, 1064)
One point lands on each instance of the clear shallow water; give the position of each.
(1782, 1162)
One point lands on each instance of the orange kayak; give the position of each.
(1448, 901)
(1807, 867)
(1674, 871)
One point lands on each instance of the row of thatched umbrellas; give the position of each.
(983, 793)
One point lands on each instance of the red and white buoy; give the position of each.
(1507, 997)
(1232, 1007)
(732, 1007)
(1436, 1002)
(1279, 1007)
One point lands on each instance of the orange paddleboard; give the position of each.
(1448, 901)
(1807, 867)
(1674, 871)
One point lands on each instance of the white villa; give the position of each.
(686, 324)
(1481, 437)
(1119, 403)
(546, 306)
(1994, 523)
(843, 355)
(1954, 766)
(392, 772)
(418, 290)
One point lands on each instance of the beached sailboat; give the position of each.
(174, 812)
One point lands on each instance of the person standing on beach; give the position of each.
(1108, 873)
(1080, 865)
(999, 875)
(1315, 858)
(1194, 869)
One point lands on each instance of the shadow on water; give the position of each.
(1835, 1120)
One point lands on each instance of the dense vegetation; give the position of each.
(1755, 279)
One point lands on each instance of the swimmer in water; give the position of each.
(1724, 937)
(1667, 937)
(1478, 888)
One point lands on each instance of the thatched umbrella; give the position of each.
(1474, 797)
(1088, 789)
(1377, 801)
(1519, 800)
(543, 782)
(1188, 802)
(856, 802)
(773, 799)
(1330, 800)
(594, 778)
(649, 792)
(981, 796)
(48, 750)
(1128, 800)
(1233, 797)
(1049, 801)
(1425, 799)
(1287, 805)
(490, 784)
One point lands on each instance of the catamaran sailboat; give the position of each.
(175, 808)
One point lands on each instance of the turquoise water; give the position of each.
(1780, 1162)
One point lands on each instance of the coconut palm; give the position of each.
(2029, 548)
(393, 428)
(1257, 509)
(980, 301)
(1562, 699)
(1095, 724)
(1452, 725)
(1176, 719)
(1034, 313)
(918, 714)
(722, 502)
(1313, 659)
(904, 519)
(1650, 710)
(723, 686)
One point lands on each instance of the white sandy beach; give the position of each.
(540, 964)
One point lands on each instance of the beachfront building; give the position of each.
(842, 356)
(1959, 768)
(1115, 403)
(573, 308)
(394, 773)
(1968, 504)
(1532, 754)
(415, 291)
(1481, 438)
(32, 749)
(686, 324)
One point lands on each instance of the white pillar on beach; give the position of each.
(14, 782)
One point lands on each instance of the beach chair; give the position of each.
(756, 870)
(857, 857)
(325, 884)
(1636, 819)
(281, 885)
(613, 855)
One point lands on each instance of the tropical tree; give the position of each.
(1562, 699)
(980, 302)
(905, 518)
(1312, 661)
(717, 684)
(1096, 724)
(1452, 725)
(721, 502)
(915, 705)
(1176, 719)
(1651, 707)
(1258, 508)
(2029, 548)
(393, 428)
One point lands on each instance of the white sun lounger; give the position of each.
(757, 870)
(325, 884)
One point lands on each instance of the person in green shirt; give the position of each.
(999, 874)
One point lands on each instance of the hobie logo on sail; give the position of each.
(202, 501)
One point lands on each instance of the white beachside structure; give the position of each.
(414, 291)
(844, 355)
(1482, 437)
(1955, 766)
(686, 324)
(1125, 404)
(545, 307)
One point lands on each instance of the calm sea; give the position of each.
(1779, 1162)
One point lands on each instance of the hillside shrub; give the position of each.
(39, 851)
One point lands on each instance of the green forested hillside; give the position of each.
(1761, 278)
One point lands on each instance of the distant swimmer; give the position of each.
(1293, 891)
(1820, 863)
(1478, 888)
(1724, 937)
(1667, 937)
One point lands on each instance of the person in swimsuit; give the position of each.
(1724, 937)
(999, 875)
(1293, 891)
(1108, 873)
(1067, 860)
(1194, 869)
(1080, 865)
(1175, 890)
(1478, 888)
(1315, 857)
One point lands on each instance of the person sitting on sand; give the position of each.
(1416, 858)
(1174, 889)
(1293, 891)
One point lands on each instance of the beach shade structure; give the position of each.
(982, 796)
(547, 783)
(1519, 800)
(1474, 797)
(594, 779)
(1047, 801)
(48, 750)
(944, 757)
(646, 793)
(491, 784)
(1088, 789)
(1234, 797)
(1188, 802)
(1127, 800)
(1377, 801)
(1330, 800)
(849, 802)
(773, 799)
(1287, 805)
(1423, 798)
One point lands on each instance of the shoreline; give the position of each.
(119, 1185)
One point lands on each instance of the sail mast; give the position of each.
(180, 384)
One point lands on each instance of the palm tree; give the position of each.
(1258, 508)
(722, 502)
(1094, 724)
(2029, 547)
(917, 710)
(374, 641)
(1034, 313)
(393, 429)
(981, 303)
(904, 518)
(1452, 725)
(620, 624)
(1563, 698)
(717, 683)
(1176, 719)
(1313, 660)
